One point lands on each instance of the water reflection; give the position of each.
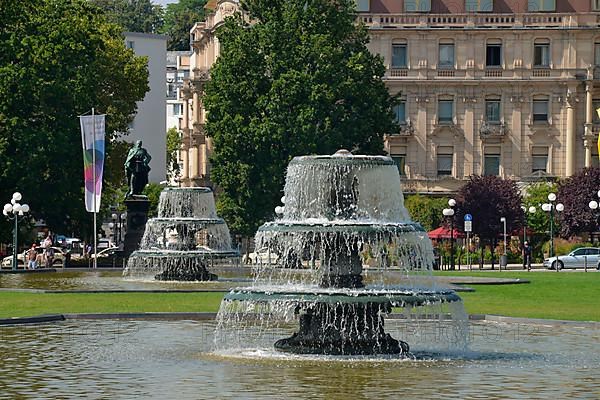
(159, 359)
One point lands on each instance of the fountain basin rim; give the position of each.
(397, 298)
(341, 226)
(187, 189)
(348, 159)
(158, 253)
(207, 221)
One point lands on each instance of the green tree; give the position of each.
(173, 145)
(298, 80)
(152, 190)
(133, 15)
(179, 18)
(536, 195)
(426, 210)
(59, 59)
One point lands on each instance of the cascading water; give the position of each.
(341, 212)
(186, 237)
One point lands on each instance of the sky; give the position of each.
(164, 2)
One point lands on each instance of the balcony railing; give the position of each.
(490, 129)
(537, 20)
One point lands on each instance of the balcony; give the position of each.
(488, 130)
(407, 129)
(475, 20)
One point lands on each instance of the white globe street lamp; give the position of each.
(550, 207)
(15, 210)
(449, 212)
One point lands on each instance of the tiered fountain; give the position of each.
(184, 240)
(339, 211)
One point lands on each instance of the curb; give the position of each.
(533, 321)
(28, 271)
(32, 320)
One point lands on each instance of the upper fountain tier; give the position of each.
(343, 189)
(187, 202)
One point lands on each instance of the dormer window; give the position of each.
(541, 5)
(479, 5)
(417, 5)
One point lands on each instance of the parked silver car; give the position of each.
(578, 258)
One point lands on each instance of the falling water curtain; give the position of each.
(92, 140)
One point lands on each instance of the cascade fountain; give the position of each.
(338, 212)
(183, 240)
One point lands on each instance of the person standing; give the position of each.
(527, 256)
(48, 251)
(32, 257)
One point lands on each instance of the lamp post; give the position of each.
(449, 212)
(550, 207)
(531, 210)
(504, 255)
(117, 226)
(18, 211)
(594, 206)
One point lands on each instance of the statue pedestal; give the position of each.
(137, 215)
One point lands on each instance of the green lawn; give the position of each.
(565, 295)
(550, 295)
(19, 304)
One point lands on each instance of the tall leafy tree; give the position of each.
(59, 59)
(298, 80)
(575, 193)
(488, 199)
(179, 18)
(426, 210)
(133, 15)
(536, 195)
(173, 145)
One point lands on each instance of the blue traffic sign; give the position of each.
(468, 217)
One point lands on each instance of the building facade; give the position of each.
(499, 87)
(150, 120)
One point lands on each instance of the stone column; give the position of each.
(571, 130)
(589, 121)
(185, 127)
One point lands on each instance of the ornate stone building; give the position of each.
(503, 87)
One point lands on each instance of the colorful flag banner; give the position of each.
(92, 139)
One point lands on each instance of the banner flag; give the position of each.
(92, 140)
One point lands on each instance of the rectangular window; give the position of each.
(446, 55)
(541, 5)
(479, 5)
(400, 113)
(445, 157)
(398, 56)
(493, 55)
(362, 5)
(492, 111)
(445, 111)
(597, 53)
(177, 109)
(541, 55)
(399, 157)
(491, 161)
(595, 5)
(417, 5)
(540, 111)
(130, 44)
(539, 159)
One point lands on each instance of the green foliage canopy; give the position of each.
(536, 195)
(59, 59)
(133, 15)
(173, 145)
(179, 18)
(426, 210)
(298, 80)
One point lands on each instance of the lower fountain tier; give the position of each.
(341, 321)
(396, 297)
(349, 226)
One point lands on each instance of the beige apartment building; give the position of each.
(502, 87)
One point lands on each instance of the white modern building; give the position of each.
(178, 69)
(150, 121)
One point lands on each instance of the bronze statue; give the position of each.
(137, 168)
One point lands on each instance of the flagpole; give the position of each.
(94, 186)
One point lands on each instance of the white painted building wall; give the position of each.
(150, 120)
